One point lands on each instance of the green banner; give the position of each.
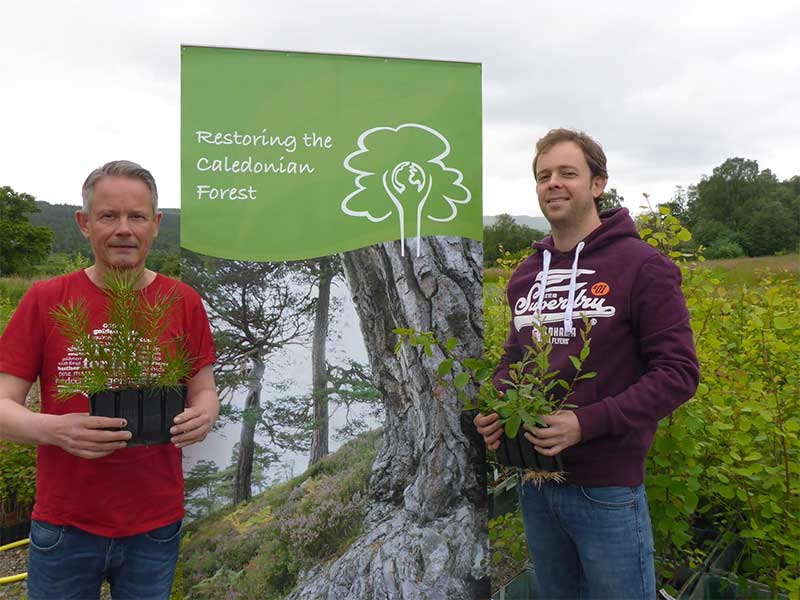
(287, 156)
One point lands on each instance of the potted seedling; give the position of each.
(533, 390)
(133, 371)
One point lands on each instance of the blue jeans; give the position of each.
(589, 542)
(69, 563)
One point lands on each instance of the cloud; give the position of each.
(670, 90)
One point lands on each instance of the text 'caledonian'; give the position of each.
(249, 164)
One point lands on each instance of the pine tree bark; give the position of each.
(252, 410)
(425, 534)
(319, 372)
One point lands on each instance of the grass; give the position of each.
(14, 288)
(737, 270)
(748, 270)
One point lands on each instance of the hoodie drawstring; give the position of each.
(571, 295)
(540, 306)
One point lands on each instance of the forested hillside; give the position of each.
(68, 239)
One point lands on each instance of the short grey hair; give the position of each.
(118, 168)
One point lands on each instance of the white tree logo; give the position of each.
(402, 169)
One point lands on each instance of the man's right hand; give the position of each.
(490, 428)
(84, 435)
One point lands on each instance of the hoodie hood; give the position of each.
(614, 225)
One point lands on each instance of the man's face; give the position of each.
(121, 225)
(565, 186)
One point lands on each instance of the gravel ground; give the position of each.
(13, 562)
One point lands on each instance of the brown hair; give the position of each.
(592, 152)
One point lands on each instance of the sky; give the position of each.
(669, 89)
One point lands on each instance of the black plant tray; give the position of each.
(519, 452)
(150, 412)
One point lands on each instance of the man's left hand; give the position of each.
(191, 426)
(564, 431)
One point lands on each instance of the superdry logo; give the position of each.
(587, 302)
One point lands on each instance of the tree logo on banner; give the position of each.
(402, 169)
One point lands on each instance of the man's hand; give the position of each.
(84, 435)
(490, 428)
(194, 423)
(191, 426)
(564, 431)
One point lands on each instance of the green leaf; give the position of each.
(664, 210)
(483, 374)
(450, 344)
(445, 367)
(527, 418)
(575, 362)
(473, 363)
(781, 322)
(684, 235)
(653, 242)
(563, 384)
(512, 426)
(589, 375)
(428, 350)
(461, 380)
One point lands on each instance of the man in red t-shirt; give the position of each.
(103, 511)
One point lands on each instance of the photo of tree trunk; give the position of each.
(342, 467)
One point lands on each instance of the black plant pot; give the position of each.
(519, 452)
(150, 412)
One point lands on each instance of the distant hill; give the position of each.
(67, 237)
(539, 223)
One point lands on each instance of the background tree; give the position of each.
(509, 234)
(612, 199)
(21, 244)
(257, 309)
(427, 492)
(741, 209)
(324, 269)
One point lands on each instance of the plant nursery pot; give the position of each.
(522, 587)
(519, 452)
(503, 498)
(149, 412)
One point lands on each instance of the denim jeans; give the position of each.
(69, 563)
(589, 542)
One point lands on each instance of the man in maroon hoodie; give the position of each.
(591, 536)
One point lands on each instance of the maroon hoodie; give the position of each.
(642, 346)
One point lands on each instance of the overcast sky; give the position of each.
(670, 89)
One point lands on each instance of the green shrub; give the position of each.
(724, 248)
(17, 481)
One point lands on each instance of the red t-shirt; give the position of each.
(131, 490)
